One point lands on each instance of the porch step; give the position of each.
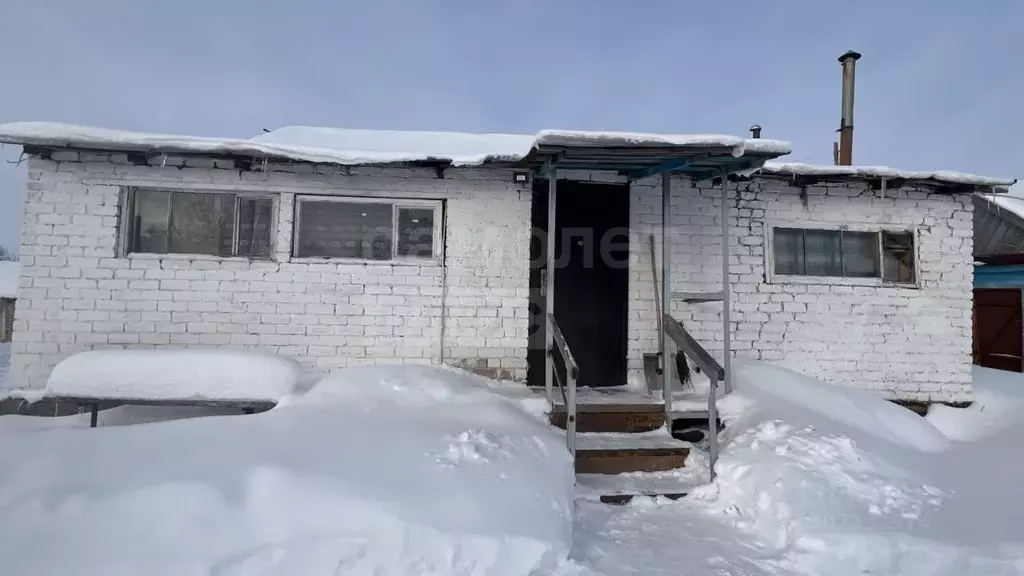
(612, 417)
(622, 453)
(623, 488)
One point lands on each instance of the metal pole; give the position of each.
(549, 287)
(570, 411)
(726, 288)
(666, 289)
(849, 62)
(713, 428)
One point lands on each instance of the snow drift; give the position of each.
(169, 373)
(838, 481)
(377, 470)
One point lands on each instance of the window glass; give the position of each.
(176, 222)
(329, 229)
(805, 252)
(822, 253)
(150, 221)
(416, 232)
(789, 251)
(202, 224)
(898, 256)
(860, 254)
(255, 216)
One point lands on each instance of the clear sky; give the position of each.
(940, 84)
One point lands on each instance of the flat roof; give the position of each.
(368, 147)
(809, 174)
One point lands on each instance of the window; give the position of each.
(844, 253)
(366, 229)
(177, 222)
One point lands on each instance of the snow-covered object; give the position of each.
(353, 147)
(419, 478)
(176, 374)
(940, 176)
(9, 271)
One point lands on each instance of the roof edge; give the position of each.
(953, 181)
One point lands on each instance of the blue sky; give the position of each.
(939, 86)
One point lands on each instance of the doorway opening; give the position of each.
(591, 283)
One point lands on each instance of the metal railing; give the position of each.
(711, 368)
(565, 375)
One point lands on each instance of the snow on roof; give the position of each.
(9, 272)
(939, 177)
(1012, 204)
(628, 139)
(343, 146)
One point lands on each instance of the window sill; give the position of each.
(361, 262)
(839, 281)
(194, 257)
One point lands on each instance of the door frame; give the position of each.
(618, 214)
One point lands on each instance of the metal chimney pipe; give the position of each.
(755, 131)
(849, 62)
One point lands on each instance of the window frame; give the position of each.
(772, 277)
(437, 246)
(127, 223)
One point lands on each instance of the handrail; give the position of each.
(568, 389)
(707, 363)
(693, 349)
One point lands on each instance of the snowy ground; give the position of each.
(383, 471)
(818, 480)
(449, 478)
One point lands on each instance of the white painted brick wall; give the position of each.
(912, 344)
(76, 293)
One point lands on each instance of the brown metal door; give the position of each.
(998, 341)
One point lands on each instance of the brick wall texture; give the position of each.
(77, 292)
(911, 343)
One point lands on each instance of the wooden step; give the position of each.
(623, 488)
(623, 453)
(613, 417)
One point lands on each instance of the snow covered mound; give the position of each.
(836, 481)
(168, 373)
(397, 470)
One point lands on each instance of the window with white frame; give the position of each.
(207, 223)
(888, 255)
(367, 228)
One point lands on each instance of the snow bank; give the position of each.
(828, 480)
(422, 474)
(9, 272)
(943, 176)
(998, 405)
(176, 374)
(352, 147)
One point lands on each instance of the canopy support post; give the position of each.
(666, 290)
(549, 286)
(726, 288)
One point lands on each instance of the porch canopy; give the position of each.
(640, 156)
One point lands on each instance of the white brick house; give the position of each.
(134, 240)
